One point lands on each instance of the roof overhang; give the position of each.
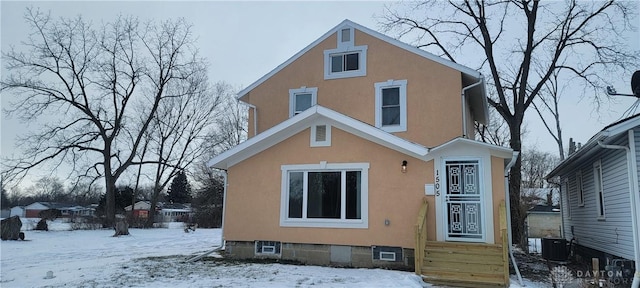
(605, 136)
(305, 120)
(468, 75)
(494, 150)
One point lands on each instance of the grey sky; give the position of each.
(245, 40)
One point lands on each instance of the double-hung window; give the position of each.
(580, 188)
(302, 99)
(325, 195)
(599, 188)
(391, 105)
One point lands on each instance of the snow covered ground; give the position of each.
(154, 258)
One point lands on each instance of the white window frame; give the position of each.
(326, 142)
(598, 185)
(565, 187)
(362, 223)
(392, 259)
(580, 188)
(362, 62)
(302, 90)
(345, 44)
(402, 84)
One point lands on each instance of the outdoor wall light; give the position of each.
(404, 166)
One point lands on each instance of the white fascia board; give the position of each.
(303, 121)
(463, 69)
(498, 151)
(592, 144)
(243, 150)
(423, 53)
(373, 134)
(291, 59)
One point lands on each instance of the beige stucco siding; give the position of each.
(254, 193)
(433, 90)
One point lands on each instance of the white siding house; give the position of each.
(599, 193)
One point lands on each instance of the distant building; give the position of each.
(544, 221)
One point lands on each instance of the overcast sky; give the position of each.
(245, 40)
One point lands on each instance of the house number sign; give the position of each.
(437, 183)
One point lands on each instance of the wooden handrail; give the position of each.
(421, 236)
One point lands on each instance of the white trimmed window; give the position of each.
(565, 188)
(579, 188)
(325, 195)
(321, 135)
(302, 99)
(599, 188)
(391, 105)
(347, 60)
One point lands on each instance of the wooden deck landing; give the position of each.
(462, 264)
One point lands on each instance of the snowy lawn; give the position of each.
(154, 258)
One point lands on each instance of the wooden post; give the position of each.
(505, 241)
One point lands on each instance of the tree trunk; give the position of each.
(110, 205)
(152, 209)
(515, 181)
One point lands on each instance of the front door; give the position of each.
(463, 201)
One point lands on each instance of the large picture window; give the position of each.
(325, 195)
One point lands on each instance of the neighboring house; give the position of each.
(140, 209)
(19, 211)
(66, 210)
(360, 151)
(599, 194)
(544, 221)
(6, 213)
(174, 212)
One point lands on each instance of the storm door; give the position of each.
(463, 201)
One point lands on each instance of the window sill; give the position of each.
(326, 223)
(393, 129)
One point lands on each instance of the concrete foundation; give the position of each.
(324, 254)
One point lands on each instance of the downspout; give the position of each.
(224, 209)
(255, 118)
(514, 158)
(464, 105)
(633, 191)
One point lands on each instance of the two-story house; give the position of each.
(361, 150)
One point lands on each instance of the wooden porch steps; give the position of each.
(464, 264)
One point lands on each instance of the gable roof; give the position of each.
(498, 151)
(324, 115)
(469, 75)
(605, 136)
(304, 120)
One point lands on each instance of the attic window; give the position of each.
(347, 60)
(320, 135)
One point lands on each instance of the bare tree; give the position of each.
(496, 132)
(232, 125)
(103, 86)
(513, 36)
(550, 100)
(178, 136)
(536, 165)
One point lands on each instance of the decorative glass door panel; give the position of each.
(463, 200)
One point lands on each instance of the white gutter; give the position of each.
(633, 191)
(224, 209)
(464, 105)
(514, 158)
(255, 118)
